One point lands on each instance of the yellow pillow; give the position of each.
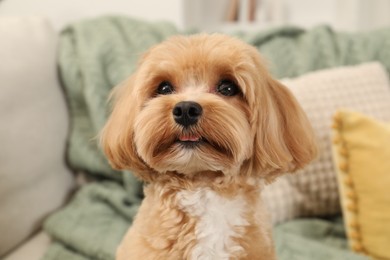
(361, 151)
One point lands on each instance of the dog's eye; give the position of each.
(227, 88)
(165, 88)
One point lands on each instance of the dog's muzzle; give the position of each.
(187, 113)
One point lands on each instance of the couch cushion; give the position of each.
(33, 249)
(362, 151)
(313, 190)
(34, 124)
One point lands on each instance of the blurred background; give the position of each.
(217, 15)
(60, 199)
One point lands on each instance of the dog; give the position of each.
(205, 126)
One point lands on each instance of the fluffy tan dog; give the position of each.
(204, 124)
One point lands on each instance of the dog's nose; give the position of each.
(187, 113)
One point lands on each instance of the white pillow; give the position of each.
(313, 191)
(34, 180)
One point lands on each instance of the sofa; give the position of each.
(35, 179)
(58, 194)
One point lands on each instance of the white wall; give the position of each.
(365, 14)
(347, 15)
(210, 15)
(309, 13)
(62, 12)
(204, 14)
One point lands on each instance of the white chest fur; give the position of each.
(219, 221)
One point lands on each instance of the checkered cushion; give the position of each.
(313, 190)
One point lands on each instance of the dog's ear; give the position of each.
(116, 138)
(283, 137)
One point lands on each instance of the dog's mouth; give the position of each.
(190, 140)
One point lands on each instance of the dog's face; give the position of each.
(205, 103)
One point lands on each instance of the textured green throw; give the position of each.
(96, 55)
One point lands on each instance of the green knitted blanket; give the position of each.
(96, 55)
